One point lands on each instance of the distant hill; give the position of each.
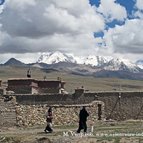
(14, 62)
(119, 74)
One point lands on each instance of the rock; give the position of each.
(43, 140)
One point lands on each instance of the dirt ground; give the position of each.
(101, 132)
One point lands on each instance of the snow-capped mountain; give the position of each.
(121, 64)
(92, 60)
(96, 66)
(56, 57)
(52, 58)
(140, 64)
(95, 61)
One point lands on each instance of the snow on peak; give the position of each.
(121, 64)
(56, 57)
(139, 63)
(95, 60)
(43, 57)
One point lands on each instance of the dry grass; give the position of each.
(74, 81)
(101, 134)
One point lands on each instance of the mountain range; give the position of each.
(92, 60)
(93, 65)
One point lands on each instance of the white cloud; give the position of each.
(28, 27)
(139, 4)
(32, 26)
(112, 10)
(1, 9)
(53, 17)
(19, 5)
(127, 38)
(138, 14)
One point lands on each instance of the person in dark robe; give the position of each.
(29, 73)
(82, 120)
(49, 118)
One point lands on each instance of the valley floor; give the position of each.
(73, 81)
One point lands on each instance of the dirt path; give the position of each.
(65, 134)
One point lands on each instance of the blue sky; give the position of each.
(129, 6)
(109, 28)
(2, 2)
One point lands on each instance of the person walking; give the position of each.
(82, 120)
(49, 118)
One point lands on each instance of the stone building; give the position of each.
(45, 86)
(32, 86)
(1, 89)
(0, 82)
(23, 86)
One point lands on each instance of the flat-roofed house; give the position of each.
(23, 86)
(32, 86)
(1, 89)
(46, 86)
(0, 82)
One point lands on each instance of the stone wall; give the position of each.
(30, 109)
(1, 91)
(23, 86)
(122, 105)
(7, 111)
(29, 115)
(128, 106)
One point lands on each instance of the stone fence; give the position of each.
(29, 115)
(30, 109)
(118, 105)
(7, 112)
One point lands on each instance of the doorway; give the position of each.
(99, 109)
